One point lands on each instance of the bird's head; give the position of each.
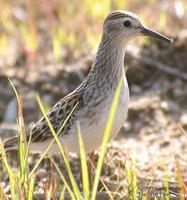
(124, 26)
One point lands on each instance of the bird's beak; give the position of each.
(148, 32)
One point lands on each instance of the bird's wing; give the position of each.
(57, 115)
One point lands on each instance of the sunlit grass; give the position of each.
(20, 187)
(132, 188)
(66, 24)
(62, 152)
(179, 178)
(22, 182)
(84, 167)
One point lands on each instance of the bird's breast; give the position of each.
(122, 108)
(93, 119)
(93, 127)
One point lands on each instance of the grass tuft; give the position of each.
(106, 139)
(62, 152)
(84, 167)
(132, 187)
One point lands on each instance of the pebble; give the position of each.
(183, 120)
(41, 172)
(164, 105)
(135, 89)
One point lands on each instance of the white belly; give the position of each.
(93, 134)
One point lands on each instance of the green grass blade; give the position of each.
(179, 177)
(63, 179)
(23, 166)
(66, 161)
(85, 178)
(166, 184)
(48, 148)
(8, 169)
(15, 91)
(62, 194)
(31, 188)
(132, 191)
(106, 139)
(27, 153)
(20, 125)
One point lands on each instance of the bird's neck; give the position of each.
(109, 60)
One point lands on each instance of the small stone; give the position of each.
(164, 105)
(164, 143)
(41, 173)
(183, 120)
(136, 89)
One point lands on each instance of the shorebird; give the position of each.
(95, 94)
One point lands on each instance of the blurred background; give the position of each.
(47, 47)
(62, 31)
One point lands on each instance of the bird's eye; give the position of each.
(127, 23)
